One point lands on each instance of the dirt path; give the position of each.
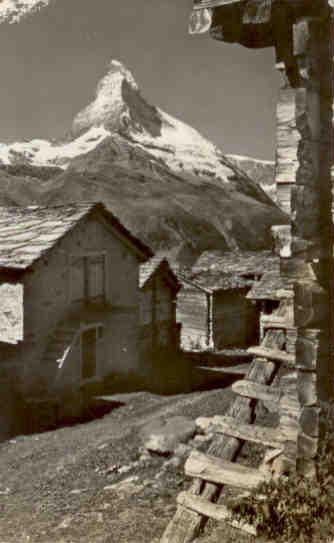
(63, 486)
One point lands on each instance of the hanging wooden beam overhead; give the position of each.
(202, 4)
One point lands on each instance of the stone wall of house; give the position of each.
(47, 303)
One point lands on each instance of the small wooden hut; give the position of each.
(159, 286)
(218, 316)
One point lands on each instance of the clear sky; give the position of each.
(51, 62)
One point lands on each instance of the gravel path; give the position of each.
(63, 486)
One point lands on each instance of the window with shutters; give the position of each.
(88, 277)
(96, 276)
(77, 279)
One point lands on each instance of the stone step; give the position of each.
(273, 354)
(223, 472)
(269, 437)
(256, 391)
(211, 510)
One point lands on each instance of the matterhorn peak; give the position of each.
(118, 105)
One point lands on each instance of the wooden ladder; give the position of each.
(212, 471)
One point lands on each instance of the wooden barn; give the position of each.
(213, 306)
(159, 287)
(217, 316)
(69, 315)
(194, 310)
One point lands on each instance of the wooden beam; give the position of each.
(273, 354)
(240, 369)
(202, 4)
(256, 391)
(223, 472)
(214, 511)
(269, 437)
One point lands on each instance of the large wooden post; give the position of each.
(287, 138)
(312, 239)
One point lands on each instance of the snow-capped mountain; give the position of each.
(169, 184)
(118, 107)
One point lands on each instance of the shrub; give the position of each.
(294, 508)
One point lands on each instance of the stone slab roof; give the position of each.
(149, 268)
(271, 287)
(242, 264)
(191, 284)
(216, 271)
(27, 233)
(214, 280)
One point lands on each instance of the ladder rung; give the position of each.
(212, 510)
(269, 437)
(251, 389)
(273, 354)
(223, 472)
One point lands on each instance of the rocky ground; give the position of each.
(97, 482)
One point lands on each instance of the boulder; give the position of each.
(163, 436)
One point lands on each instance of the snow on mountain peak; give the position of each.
(119, 110)
(117, 105)
(13, 10)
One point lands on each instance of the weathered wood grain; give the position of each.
(269, 437)
(213, 469)
(186, 524)
(249, 389)
(272, 354)
(214, 511)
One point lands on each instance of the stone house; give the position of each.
(213, 307)
(70, 295)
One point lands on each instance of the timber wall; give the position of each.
(193, 314)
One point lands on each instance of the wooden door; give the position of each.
(88, 354)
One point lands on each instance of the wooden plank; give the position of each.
(241, 369)
(273, 354)
(269, 437)
(216, 470)
(186, 524)
(214, 511)
(278, 325)
(201, 4)
(256, 391)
